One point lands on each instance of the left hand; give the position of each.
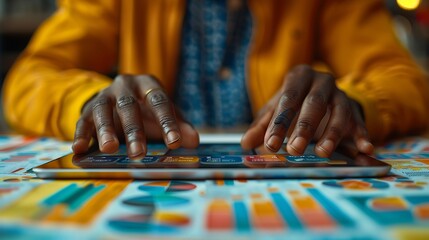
(309, 106)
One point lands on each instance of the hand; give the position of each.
(132, 108)
(309, 107)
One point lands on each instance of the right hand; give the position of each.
(132, 108)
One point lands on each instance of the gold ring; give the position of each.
(151, 90)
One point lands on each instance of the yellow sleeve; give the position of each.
(62, 68)
(358, 43)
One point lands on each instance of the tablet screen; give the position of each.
(208, 156)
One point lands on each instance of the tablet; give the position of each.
(212, 160)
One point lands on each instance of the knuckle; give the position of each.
(335, 132)
(289, 98)
(306, 125)
(302, 69)
(157, 97)
(317, 99)
(100, 102)
(125, 102)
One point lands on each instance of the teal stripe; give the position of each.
(61, 195)
(241, 217)
(229, 182)
(83, 196)
(286, 211)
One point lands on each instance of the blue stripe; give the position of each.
(286, 211)
(241, 217)
(229, 182)
(61, 195)
(83, 196)
(331, 208)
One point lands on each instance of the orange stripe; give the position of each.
(266, 217)
(311, 213)
(219, 215)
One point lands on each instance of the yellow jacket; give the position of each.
(65, 63)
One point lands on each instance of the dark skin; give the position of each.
(308, 107)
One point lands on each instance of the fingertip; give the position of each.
(322, 152)
(253, 138)
(244, 142)
(274, 143)
(80, 145)
(365, 146)
(297, 146)
(325, 149)
(173, 139)
(136, 150)
(190, 136)
(137, 157)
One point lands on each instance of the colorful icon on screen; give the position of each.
(220, 160)
(307, 159)
(269, 158)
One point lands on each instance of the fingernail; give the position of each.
(105, 138)
(299, 144)
(327, 146)
(366, 146)
(274, 143)
(172, 137)
(136, 148)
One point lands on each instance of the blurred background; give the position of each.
(20, 18)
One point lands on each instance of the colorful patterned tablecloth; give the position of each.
(392, 207)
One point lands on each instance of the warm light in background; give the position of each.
(408, 4)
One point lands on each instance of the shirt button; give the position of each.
(225, 73)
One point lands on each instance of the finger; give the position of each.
(254, 136)
(83, 133)
(312, 112)
(361, 136)
(157, 100)
(334, 131)
(296, 87)
(129, 114)
(190, 136)
(102, 113)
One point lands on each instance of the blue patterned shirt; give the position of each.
(209, 44)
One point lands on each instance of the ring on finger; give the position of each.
(151, 90)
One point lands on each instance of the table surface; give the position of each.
(392, 207)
